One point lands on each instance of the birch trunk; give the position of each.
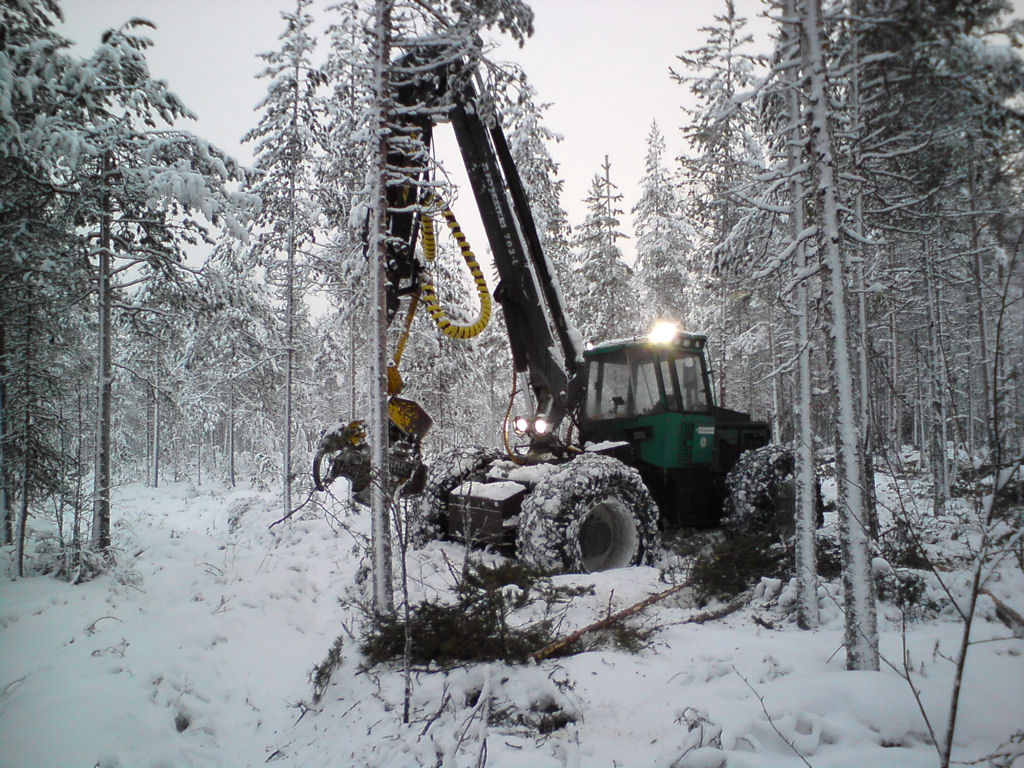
(380, 530)
(861, 635)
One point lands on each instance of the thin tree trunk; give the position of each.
(806, 486)
(23, 517)
(920, 441)
(155, 450)
(76, 531)
(861, 637)
(231, 436)
(26, 440)
(104, 376)
(290, 305)
(977, 279)
(936, 410)
(895, 410)
(380, 529)
(775, 393)
(947, 395)
(971, 441)
(6, 475)
(147, 466)
(863, 369)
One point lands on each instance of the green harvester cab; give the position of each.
(649, 403)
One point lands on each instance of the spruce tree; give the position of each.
(604, 296)
(663, 241)
(723, 158)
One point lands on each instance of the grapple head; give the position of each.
(345, 448)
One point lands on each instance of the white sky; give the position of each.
(603, 64)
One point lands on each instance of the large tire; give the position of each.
(429, 517)
(761, 496)
(593, 514)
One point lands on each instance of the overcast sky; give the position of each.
(603, 64)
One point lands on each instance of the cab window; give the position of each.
(637, 382)
(691, 383)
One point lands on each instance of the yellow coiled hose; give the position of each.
(441, 319)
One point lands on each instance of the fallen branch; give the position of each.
(733, 605)
(721, 611)
(1013, 620)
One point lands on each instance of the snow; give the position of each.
(196, 651)
(604, 445)
(502, 490)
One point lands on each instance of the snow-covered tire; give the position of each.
(428, 517)
(592, 514)
(762, 493)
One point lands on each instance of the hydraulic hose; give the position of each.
(433, 305)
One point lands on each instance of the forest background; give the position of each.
(124, 359)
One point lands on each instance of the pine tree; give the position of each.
(140, 194)
(125, 207)
(397, 161)
(288, 140)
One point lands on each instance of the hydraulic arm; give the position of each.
(545, 346)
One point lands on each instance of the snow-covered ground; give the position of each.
(197, 651)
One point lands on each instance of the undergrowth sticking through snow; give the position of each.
(320, 676)
(478, 625)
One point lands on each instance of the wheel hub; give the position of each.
(608, 536)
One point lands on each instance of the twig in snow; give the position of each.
(482, 709)
(437, 715)
(292, 512)
(91, 629)
(771, 722)
(12, 684)
(304, 708)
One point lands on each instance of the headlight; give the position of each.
(663, 332)
(541, 426)
(521, 425)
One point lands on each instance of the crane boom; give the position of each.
(545, 345)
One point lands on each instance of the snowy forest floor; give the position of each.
(197, 649)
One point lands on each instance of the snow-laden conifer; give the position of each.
(664, 241)
(605, 304)
(288, 143)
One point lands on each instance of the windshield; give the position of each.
(637, 382)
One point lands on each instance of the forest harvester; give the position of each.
(623, 437)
